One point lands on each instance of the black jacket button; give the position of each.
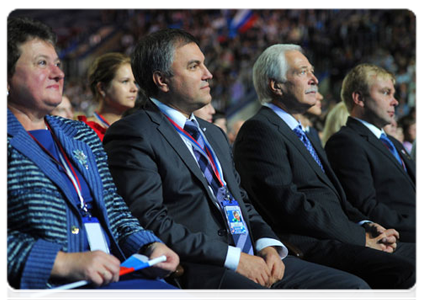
(222, 232)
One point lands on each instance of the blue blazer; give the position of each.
(43, 219)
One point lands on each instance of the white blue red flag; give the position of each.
(137, 262)
(134, 263)
(243, 20)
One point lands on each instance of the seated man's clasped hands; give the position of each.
(291, 183)
(375, 170)
(177, 175)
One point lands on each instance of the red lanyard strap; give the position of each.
(66, 166)
(206, 151)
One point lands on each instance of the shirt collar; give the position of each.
(289, 119)
(376, 131)
(173, 114)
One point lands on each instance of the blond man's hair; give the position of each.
(359, 79)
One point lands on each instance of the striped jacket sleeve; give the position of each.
(39, 216)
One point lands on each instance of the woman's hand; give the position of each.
(97, 267)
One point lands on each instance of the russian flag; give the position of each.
(134, 263)
(243, 20)
(137, 262)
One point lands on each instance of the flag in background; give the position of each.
(243, 20)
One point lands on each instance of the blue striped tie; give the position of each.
(242, 241)
(203, 162)
(303, 137)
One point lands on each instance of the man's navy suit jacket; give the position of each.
(302, 204)
(373, 179)
(165, 189)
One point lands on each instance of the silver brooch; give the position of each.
(81, 157)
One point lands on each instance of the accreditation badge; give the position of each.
(95, 235)
(232, 212)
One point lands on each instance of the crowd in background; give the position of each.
(104, 85)
(335, 40)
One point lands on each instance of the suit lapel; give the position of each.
(289, 135)
(406, 158)
(80, 155)
(370, 138)
(169, 133)
(217, 149)
(228, 175)
(23, 143)
(224, 163)
(409, 163)
(329, 174)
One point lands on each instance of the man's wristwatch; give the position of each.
(146, 249)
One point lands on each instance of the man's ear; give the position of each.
(358, 99)
(161, 81)
(276, 87)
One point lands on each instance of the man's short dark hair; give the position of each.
(154, 53)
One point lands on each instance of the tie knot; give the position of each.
(192, 129)
(304, 139)
(299, 131)
(385, 139)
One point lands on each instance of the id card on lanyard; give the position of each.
(232, 211)
(225, 200)
(95, 235)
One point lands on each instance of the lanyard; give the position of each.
(102, 120)
(207, 151)
(67, 166)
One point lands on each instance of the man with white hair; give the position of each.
(176, 174)
(293, 187)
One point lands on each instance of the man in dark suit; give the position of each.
(177, 175)
(293, 187)
(380, 183)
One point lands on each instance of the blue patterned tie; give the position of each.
(203, 162)
(242, 241)
(384, 138)
(303, 137)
